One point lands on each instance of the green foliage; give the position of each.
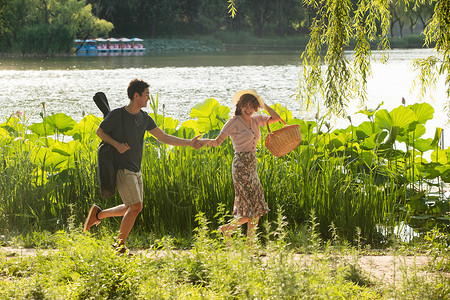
(437, 32)
(47, 27)
(84, 267)
(356, 177)
(336, 23)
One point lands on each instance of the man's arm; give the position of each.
(121, 147)
(173, 140)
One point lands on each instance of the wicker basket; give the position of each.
(282, 141)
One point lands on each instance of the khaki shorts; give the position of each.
(130, 187)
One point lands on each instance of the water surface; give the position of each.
(67, 84)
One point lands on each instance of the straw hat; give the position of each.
(238, 95)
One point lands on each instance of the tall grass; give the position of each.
(83, 267)
(353, 179)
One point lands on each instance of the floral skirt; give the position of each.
(249, 196)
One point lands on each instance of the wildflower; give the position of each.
(19, 113)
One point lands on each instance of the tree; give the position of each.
(337, 22)
(47, 26)
(437, 31)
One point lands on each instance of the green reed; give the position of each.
(353, 179)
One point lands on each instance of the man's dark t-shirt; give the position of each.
(135, 127)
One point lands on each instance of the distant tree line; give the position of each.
(49, 26)
(162, 18)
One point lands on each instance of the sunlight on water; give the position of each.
(67, 84)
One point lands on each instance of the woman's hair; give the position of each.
(243, 101)
(136, 86)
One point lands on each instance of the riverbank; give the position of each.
(235, 42)
(247, 42)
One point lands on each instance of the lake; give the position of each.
(67, 84)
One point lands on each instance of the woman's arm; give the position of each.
(173, 140)
(274, 116)
(217, 141)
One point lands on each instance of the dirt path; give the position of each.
(384, 268)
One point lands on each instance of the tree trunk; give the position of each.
(392, 27)
(260, 32)
(153, 30)
(280, 30)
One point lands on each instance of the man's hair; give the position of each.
(243, 101)
(136, 86)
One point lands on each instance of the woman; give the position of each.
(243, 129)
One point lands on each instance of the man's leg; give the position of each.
(96, 214)
(130, 188)
(128, 221)
(117, 211)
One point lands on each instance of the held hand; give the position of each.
(196, 143)
(123, 147)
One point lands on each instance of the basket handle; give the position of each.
(267, 124)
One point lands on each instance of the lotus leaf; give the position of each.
(413, 134)
(431, 172)
(4, 136)
(423, 111)
(13, 125)
(223, 112)
(373, 141)
(207, 124)
(437, 137)
(42, 129)
(423, 145)
(371, 112)
(400, 117)
(61, 122)
(192, 124)
(40, 155)
(88, 124)
(368, 157)
(186, 132)
(445, 176)
(66, 149)
(189, 125)
(284, 113)
(45, 142)
(365, 129)
(170, 125)
(439, 156)
(204, 109)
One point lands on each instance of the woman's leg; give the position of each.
(252, 226)
(228, 228)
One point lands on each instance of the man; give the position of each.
(124, 128)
